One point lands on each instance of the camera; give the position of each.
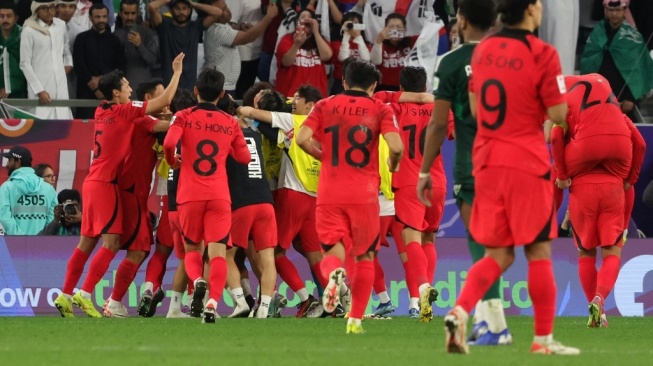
(69, 208)
(357, 26)
(396, 34)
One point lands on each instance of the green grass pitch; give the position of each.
(289, 341)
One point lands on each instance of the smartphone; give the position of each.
(133, 28)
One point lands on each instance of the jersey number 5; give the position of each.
(355, 145)
(500, 106)
(208, 158)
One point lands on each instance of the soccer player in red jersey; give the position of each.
(348, 126)
(207, 136)
(602, 151)
(516, 79)
(102, 209)
(420, 222)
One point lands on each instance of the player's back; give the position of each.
(348, 126)
(593, 108)
(248, 184)
(515, 77)
(113, 131)
(137, 172)
(208, 137)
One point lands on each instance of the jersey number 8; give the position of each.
(206, 157)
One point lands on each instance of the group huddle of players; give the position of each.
(337, 175)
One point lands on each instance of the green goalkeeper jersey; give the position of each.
(450, 83)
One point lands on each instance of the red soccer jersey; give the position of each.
(593, 108)
(394, 59)
(515, 77)
(113, 131)
(307, 68)
(207, 135)
(413, 119)
(348, 126)
(142, 159)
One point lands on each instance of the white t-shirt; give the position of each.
(220, 54)
(251, 13)
(386, 206)
(287, 177)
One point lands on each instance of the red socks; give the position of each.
(74, 270)
(417, 261)
(411, 281)
(318, 274)
(350, 267)
(361, 288)
(431, 260)
(587, 275)
(480, 278)
(607, 275)
(542, 289)
(156, 268)
(328, 264)
(288, 273)
(98, 267)
(379, 277)
(194, 265)
(218, 277)
(124, 277)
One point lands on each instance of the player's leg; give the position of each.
(242, 221)
(180, 279)
(74, 270)
(154, 272)
(628, 210)
(385, 305)
(432, 217)
(332, 228)
(124, 276)
(192, 229)
(264, 233)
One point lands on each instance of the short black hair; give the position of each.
(69, 194)
(147, 87)
(129, 2)
(183, 99)
(249, 94)
(413, 79)
(395, 16)
(110, 82)
(361, 74)
(97, 5)
(346, 63)
(227, 105)
(480, 14)
(309, 93)
(273, 101)
(512, 11)
(8, 4)
(210, 84)
(39, 169)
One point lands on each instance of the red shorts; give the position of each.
(164, 231)
(295, 213)
(413, 214)
(256, 222)
(614, 152)
(512, 208)
(136, 223)
(102, 212)
(205, 220)
(391, 226)
(355, 224)
(596, 213)
(177, 239)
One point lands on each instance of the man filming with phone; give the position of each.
(67, 215)
(141, 45)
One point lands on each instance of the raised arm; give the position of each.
(155, 15)
(244, 37)
(164, 99)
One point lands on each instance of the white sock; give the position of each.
(494, 316)
(86, 295)
(479, 312)
(240, 298)
(303, 294)
(343, 289)
(423, 287)
(383, 297)
(68, 297)
(149, 286)
(414, 303)
(247, 289)
(353, 321)
(264, 307)
(113, 302)
(231, 294)
(212, 302)
(543, 339)
(175, 301)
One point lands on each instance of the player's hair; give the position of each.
(413, 79)
(69, 194)
(39, 169)
(227, 105)
(110, 82)
(183, 99)
(249, 94)
(361, 74)
(512, 11)
(395, 16)
(147, 87)
(97, 6)
(479, 13)
(129, 2)
(309, 93)
(346, 63)
(210, 84)
(8, 4)
(273, 101)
